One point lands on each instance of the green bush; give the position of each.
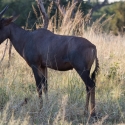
(117, 23)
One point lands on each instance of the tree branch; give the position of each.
(44, 14)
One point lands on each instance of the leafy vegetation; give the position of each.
(21, 7)
(116, 25)
(27, 15)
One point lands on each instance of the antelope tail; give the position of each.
(96, 70)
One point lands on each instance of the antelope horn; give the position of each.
(3, 11)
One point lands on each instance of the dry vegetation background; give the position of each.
(66, 89)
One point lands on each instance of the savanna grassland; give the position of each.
(66, 89)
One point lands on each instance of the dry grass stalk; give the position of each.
(4, 52)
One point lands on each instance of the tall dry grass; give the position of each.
(66, 89)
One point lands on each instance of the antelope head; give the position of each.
(4, 22)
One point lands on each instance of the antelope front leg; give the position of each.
(39, 90)
(45, 90)
(43, 75)
(38, 84)
(45, 87)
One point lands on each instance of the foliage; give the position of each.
(21, 7)
(27, 15)
(28, 18)
(117, 24)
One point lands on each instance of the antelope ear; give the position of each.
(9, 20)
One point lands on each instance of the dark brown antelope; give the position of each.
(42, 49)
